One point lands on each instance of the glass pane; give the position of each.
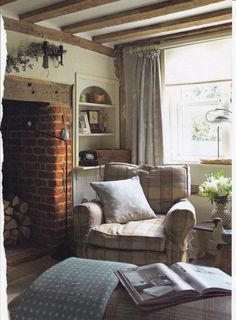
(206, 61)
(198, 137)
(198, 93)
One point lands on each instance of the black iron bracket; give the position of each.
(58, 54)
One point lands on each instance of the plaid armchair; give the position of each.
(162, 239)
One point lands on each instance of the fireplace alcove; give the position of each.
(34, 166)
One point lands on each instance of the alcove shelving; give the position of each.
(95, 97)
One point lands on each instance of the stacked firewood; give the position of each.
(17, 222)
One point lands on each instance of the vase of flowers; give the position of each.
(218, 189)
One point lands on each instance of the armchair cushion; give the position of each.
(134, 235)
(123, 200)
(163, 186)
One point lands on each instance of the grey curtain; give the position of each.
(143, 91)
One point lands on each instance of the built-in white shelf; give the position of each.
(96, 134)
(83, 168)
(85, 87)
(96, 105)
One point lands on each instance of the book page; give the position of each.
(156, 281)
(204, 279)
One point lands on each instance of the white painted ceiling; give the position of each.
(14, 9)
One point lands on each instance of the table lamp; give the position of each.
(218, 116)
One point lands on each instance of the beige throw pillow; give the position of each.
(123, 200)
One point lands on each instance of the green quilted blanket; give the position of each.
(73, 289)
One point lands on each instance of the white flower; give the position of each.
(216, 187)
(211, 186)
(222, 192)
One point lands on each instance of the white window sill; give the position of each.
(202, 161)
(216, 161)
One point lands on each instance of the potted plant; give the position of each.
(218, 189)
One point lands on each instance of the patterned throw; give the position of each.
(73, 289)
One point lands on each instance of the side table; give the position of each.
(223, 253)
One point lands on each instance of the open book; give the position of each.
(157, 286)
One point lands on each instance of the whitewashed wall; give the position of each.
(76, 59)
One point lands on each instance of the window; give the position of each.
(196, 82)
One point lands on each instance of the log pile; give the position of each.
(17, 221)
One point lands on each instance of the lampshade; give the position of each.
(217, 116)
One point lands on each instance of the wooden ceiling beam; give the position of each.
(60, 9)
(2, 2)
(147, 12)
(226, 27)
(178, 24)
(55, 35)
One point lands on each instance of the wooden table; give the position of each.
(223, 253)
(205, 226)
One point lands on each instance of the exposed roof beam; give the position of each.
(178, 24)
(60, 9)
(147, 12)
(48, 33)
(222, 29)
(2, 2)
(226, 27)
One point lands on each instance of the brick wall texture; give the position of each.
(34, 165)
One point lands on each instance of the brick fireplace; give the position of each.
(34, 165)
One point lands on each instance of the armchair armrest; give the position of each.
(85, 216)
(178, 223)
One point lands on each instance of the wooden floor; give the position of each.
(21, 276)
(25, 252)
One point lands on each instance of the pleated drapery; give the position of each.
(143, 91)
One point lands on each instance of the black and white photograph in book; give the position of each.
(157, 286)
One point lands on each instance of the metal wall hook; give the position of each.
(58, 55)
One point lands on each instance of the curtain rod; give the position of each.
(143, 48)
(172, 43)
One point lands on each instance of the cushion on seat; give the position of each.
(134, 235)
(163, 186)
(123, 200)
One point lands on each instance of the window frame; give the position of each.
(171, 119)
(176, 122)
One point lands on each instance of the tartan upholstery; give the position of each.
(134, 235)
(139, 257)
(122, 307)
(162, 185)
(163, 239)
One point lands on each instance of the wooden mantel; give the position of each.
(26, 89)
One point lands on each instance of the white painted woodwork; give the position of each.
(82, 176)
